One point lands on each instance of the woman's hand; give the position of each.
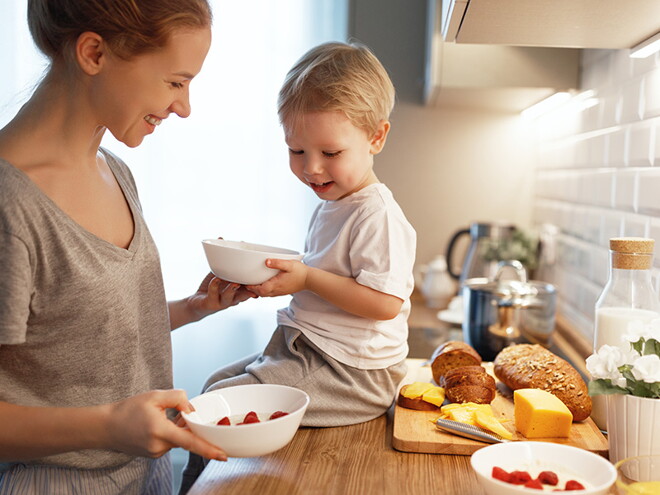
(213, 295)
(292, 278)
(139, 426)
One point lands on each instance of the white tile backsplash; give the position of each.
(598, 176)
(639, 144)
(652, 93)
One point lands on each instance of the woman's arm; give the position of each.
(136, 426)
(213, 295)
(343, 292)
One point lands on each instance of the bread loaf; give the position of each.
(469, 384)
(533, 366)
(450, 355)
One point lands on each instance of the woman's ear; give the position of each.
(379, 137)
(90, 52)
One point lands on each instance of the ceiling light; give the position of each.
(543, 106)
(646, 48)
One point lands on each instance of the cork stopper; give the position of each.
(632, 253)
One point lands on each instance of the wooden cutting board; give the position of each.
(415, 431)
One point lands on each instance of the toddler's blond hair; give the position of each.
(336, 76)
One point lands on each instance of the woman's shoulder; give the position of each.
(15, 184)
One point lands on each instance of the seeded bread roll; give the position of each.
(450, 355)
(533, 366)
(469, 384)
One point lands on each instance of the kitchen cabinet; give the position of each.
(406, 36)
(612, 24)
(495, 77)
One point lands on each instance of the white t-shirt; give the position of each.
(364, 236)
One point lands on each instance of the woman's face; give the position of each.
(132, 97)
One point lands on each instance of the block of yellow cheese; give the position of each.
(539, 414)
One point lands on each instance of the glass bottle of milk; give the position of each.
(628, 296)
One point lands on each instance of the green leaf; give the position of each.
(637, 346)
(651, 346)
(604, 386)
(654, 389)
(641, 389)
(626, 372)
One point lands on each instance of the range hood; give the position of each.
(492, 76)
(610, 24)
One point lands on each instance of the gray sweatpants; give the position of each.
(339, 394)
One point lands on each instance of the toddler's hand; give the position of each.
(292, 278)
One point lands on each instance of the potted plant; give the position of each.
(630, 377)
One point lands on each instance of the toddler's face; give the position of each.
(332, 156)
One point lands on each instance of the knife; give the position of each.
(468, 431)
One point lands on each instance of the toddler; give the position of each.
(343, 338)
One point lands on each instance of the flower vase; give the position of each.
(633, 426)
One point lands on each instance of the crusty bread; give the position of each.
(450, 355)
(417, 403)
(469, 384)
(533, 366)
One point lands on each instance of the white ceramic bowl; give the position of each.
(596, 473)
(249, 440)
(243, 262)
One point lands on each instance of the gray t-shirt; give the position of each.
(82, 321)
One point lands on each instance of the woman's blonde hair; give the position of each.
(130, 27)
(338, 76)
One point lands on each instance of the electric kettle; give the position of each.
(481, 258)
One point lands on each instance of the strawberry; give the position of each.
(548, 478)
(535, 484)
(224, 421)
(250, 417)
(573, 485)
(278, 414)
(520, 477)
(500, 474)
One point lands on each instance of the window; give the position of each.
(221, 172)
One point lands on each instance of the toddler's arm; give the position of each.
(343, 292)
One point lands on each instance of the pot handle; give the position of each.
(516, 265)
(450, 250)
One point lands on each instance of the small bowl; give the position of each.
(254, 439)
(595, 473)
(243, 262)
(638, 475)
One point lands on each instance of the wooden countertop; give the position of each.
(357, 459)
(346, 460)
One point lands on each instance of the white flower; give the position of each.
(647, 330)
(647, 368)
(606, 361)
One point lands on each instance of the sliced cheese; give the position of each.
(416, 389)
(435, 396)
(489, 422)
(539, 414)
(465, 412)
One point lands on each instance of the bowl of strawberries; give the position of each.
(529, 467)
(248, 420)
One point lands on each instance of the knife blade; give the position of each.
(468, 431)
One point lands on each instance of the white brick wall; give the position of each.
(598, 176)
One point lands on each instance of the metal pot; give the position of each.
(500, 312)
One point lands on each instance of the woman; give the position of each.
(85, 356)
